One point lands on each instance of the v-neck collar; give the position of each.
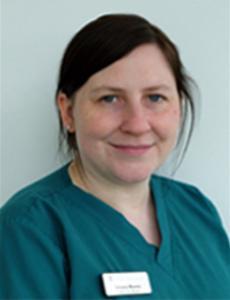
(118, 223)
(164, 257)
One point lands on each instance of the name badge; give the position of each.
(127, 283)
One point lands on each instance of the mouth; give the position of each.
(134, 150)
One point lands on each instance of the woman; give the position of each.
(103, 226)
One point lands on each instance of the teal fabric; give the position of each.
(56, 241)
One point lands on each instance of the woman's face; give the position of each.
(126, 117)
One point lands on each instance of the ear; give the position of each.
(65, 106)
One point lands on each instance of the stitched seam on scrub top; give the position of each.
(12, 222)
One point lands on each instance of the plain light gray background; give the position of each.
(34, 35)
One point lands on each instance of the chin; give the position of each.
(132, 176)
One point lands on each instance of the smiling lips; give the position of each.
(133, 150)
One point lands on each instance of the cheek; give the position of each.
(97, 123)
(91, 128)
(175, 117)
(168, 123)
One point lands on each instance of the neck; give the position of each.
(126, 198)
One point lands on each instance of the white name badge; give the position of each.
(128, 283)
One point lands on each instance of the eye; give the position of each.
(156, 97)
(109, 98)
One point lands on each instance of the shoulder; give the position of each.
(187, 199)
(38, 204)
(172, 187)
(192, 217)
(175, 185)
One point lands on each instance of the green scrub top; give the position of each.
(57, 240)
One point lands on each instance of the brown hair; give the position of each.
(109, 38)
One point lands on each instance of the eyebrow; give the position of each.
(118, 89)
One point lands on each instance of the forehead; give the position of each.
(143, 66)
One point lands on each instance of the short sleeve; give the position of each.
(32, 266)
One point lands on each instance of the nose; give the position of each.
(135, 119)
